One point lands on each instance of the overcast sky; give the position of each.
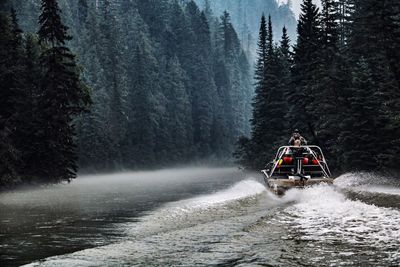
(296, 5)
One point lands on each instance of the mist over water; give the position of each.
(38, 223)
(213, 217)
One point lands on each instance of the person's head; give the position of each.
(296, 133)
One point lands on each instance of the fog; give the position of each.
(84, 189)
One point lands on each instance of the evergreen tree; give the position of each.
(202, 88)
(63, 97)
(285, 57)
(305, 64)
(361, 146)
(367, 41)
(179, 120)
(274, 109)
(236, 89)
(8, 153)
(259, 103)
(328, 83)
(345, 17)
(145, 116)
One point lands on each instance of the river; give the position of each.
(201, 217)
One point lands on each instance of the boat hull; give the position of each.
(280, 186)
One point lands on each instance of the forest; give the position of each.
(111, 85)
(246, 18)
(339, 85)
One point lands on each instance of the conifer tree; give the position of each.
(63, 97)
(328, 81)
(178, 122)
(285, 57)
(367, 41)
(345, 17)
(8, 153)
(247, 150)
(274, 109)
(145, 134)
(361, 145)
(303, 72)
(259, 76)
(203, 89)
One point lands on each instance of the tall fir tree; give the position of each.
(305, 64)
(285, 56)
(361, 146)
(329, 80)
(274, 109)
(63, 97)
(8, 152)
(367, 41)
(249, 148)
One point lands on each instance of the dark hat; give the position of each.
(296, 130)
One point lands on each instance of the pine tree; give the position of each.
(145, 116)
(285, 56)
(248, 150)
(285, 45)
(236, 93)
(274, 109)
(178, 120)
(27, 128)
(303, 72)
(328, 82)
(367, 41)
(202, 88)
(113, 81)
(361, 145)
(8, 153)
(63, 97)
(345, 17)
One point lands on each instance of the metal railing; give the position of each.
(313, 150)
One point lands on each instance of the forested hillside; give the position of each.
(246, 17)
(340, 86)
(169, 83)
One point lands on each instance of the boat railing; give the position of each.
(315, 151)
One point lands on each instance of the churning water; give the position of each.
(202, 217)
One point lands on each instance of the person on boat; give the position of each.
(296, 136)
(297, 151)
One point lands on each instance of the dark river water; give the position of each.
(201, 217)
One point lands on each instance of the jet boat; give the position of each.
(296, 167)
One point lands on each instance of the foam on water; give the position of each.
(189, 212)
(322, 213)
(379, 190)
(318, 226)
(368, 183)
(241, 190)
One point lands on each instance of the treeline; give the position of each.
(169, 84)
(340, 86)
(41, 94)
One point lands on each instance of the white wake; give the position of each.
(322, 213)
